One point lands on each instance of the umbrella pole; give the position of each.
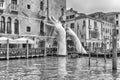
(7, 49)
(27, 49)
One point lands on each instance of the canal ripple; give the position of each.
(53, 68)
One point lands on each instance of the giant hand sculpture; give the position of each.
(76, 40)
(61, 38)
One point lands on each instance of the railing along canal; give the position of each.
(21, 53)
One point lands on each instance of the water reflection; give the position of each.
(52, 68)
(62, 72)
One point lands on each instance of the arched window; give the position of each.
(2, 26)
(14, 1)
(16, 26)
(9, 25)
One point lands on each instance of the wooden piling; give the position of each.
(105, 57)
(89, 58)
(114, 52)
(7, 49)
(45, 48)
(27, 49)
(97, 55)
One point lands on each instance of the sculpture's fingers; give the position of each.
(49, 24)
(67, 28)
(54, 19)
(51, 19)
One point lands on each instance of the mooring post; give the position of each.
(45, 48)
(89, 58)
(114, 52)
(97, 55)
(27, 49)
(105, 57)
(7, 49)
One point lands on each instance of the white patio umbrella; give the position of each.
(25, 41)
(3, 40)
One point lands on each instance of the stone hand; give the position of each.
(70, 32)
(76, 40)
(61, 38)
(57, 25)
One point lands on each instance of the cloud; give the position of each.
(89, 6)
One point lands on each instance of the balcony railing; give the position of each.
(14, 7)
(2, 5)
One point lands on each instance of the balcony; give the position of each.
(14, 7)
(2, 5)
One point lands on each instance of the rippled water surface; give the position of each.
(53, 68)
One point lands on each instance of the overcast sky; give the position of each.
(90, 6)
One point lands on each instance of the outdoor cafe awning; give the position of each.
(5, 40)
(24, 41)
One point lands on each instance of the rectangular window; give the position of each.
(72, 25)
(41, 5)
(67, 17)
(28, 6)
(89, 22)
(82, 36)
(95, 24)
(116, 16)
(14, 2)
(108, 30)
(28, 29)
(84, 23)
(117, 23)
(117, 31)
(72, 16)
(62, 11)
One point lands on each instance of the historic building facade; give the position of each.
(87, 29)
(27, 17)
(92, 32)
(107, 32)
(112, 19)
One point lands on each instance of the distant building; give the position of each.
(112, 17)
(87, 29)
(93, 32)
(97, 15)
(72, 14)
(106, 33)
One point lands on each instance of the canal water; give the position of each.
(54, 68)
